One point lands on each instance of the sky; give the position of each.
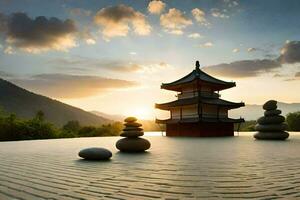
(112, 56)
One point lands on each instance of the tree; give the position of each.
(72, 126)
(293, 121)
(40, 116)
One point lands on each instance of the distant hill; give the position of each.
(252, 111)
(25, 104)
(108, 116)
(148, 125)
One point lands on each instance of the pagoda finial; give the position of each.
(197, 65)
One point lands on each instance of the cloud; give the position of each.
(156, 7)
(78, 63)
(235, 50)
(116, 20)
(5, 75)
(199, 16)
(9, 50)
(251, 49)
(194, 35)
(38, 34)
(215, 12)
(290, 53)
(174, 21)
(207, 45)
(243, 68)
(71, 86)
(80, 12)
(231, 3)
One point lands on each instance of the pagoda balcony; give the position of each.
(205, 94)
(197, 119)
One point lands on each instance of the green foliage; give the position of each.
(293, 121)
(246, 126)
(13, 128)
(72, 126)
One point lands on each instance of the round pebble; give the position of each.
(133, 144)
(271, 127)
(132, 129)
(133, 124)
(130, 119)
(271, 119)
(132, 134)
(95, 153)
(270, 105)
(271, 135)
(272, 112)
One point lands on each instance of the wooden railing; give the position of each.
(194, 94)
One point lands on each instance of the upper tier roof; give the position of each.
(196, 100)
(197, 74)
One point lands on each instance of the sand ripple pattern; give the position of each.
(174, 168)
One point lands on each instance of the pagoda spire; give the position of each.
(197, 65)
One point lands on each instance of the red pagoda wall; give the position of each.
(200, 129)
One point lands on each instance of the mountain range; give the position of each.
(26, 104)
(252, 111)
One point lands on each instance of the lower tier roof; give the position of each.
(196, 100)
(194, 120)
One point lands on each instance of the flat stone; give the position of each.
(132, 129)
(132, 124)
(133, 145)
(130, 119)
(270, 105)
(271, 119)
(272, 112)
(271, 127)
(95, 153)
(282, 135)
(132, 133)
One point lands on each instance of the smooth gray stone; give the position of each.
(272, 113)
(271, 127)
(133, 145)
(271, 135)
(95, 153)
(130, 119)
(132, 129)
(270, 105)
(132, 133)
(132, 124)
(271, 119)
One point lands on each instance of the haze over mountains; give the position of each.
(252, 111)
(25, 104)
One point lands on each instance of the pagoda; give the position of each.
(199, 111)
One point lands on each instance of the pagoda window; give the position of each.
(190, 111)
(175, 113)
(223, 113)
(210, 111)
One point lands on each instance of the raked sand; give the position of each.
(173, 168)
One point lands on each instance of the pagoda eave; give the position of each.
(178, 87)
(195, 100)
(195, 120)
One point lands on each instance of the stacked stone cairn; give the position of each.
(132, 141)
(271, 126)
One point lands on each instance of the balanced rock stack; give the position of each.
(132, 141)
(271, 126)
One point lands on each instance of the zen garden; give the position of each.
(149, 99)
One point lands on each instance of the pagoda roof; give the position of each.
(196, 100)
(197, 74)
(196, 119)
